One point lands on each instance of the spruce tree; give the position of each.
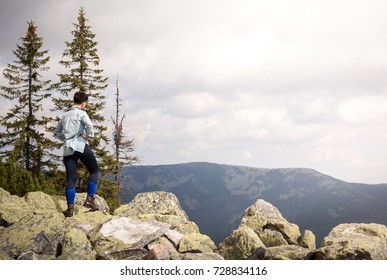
(19, 181)
(23, 128)
(81, 60)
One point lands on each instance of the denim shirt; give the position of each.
(70, 128)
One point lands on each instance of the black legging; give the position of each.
(71, 165)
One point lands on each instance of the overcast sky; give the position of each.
(256, 83)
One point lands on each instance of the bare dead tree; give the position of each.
(123, 147)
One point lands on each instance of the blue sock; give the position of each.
(91, 188)
(70, 196)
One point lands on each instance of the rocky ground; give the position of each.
(154, 226)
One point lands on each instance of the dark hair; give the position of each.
(80, 97)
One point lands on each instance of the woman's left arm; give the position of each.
(89, 129)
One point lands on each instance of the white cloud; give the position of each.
(194, 104)
(363, 109)
(334, 154)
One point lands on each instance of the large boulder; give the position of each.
(263, 227)
(160, 206)
(39, 201)
(72, 241)
(13, 208)
(196, 243)
(162, 203)
(240, 244)
(183, 235)
(353, 242)
(40, 232)
(125, 234)
(263, 215)
(86, 220)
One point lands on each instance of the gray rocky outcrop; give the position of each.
(183, 235)
(152, 226)
(265, 234)
(160, 206)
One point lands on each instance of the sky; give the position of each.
(267, 84)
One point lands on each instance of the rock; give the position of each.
(263, 215)
(86, 220)
(81, 197)
(240, 244)
(136, 233)
(40, 232)
(40, 201)
(72, 241)
(122, 233)
(201, 256)
(196, 243)
(33, 228)
(162, 203)
(128, 254)
(287, 252)
(4, 255)
(12, 208)
(353, 242)
(152, 226)
(160, 252)
(308, 240)
(161, 249)
(271, 238)
(177, 223)
(262, 227)
(174, 237)
(36, 228)
(31, 255)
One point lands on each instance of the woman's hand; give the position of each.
(86, 137)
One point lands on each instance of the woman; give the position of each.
(75, 128)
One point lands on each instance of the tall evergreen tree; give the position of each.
(82, 61)
(23, 128)
(122, 146)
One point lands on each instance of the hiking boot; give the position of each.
(69, 212)
(90, 203)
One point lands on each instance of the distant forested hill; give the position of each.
(215, 196)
